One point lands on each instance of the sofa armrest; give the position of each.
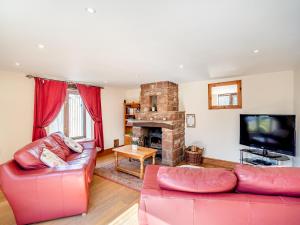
(45, 193)
(88, 144)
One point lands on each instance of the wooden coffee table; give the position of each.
(141, 154)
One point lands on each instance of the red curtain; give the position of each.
(48, 100)
(91, 97)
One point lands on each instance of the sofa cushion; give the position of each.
(268, 180)
(51, 160)
(197, 180)
(79, 158)
(59, 138)
(73, 145)
(28, 157)
(54, 147)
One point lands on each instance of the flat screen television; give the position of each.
(270, 132)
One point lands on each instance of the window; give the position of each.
(227, 99)
(73, 119)
(225, 95)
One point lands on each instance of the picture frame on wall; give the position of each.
(190, 120)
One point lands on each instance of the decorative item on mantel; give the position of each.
(135, 142)
(193, 155)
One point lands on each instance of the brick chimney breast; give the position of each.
(172, 122)
(167, 96)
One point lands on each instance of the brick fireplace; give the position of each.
(159, 124)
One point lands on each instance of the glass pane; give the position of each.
(224, 95)
(234, 100)
(89, 126)
(223, 100)
(58, 123)
(76, 116)
(226, 89)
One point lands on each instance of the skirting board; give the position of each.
(206, 160)
(106, 151)
(219, 162)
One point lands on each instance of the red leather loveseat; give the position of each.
(38, 193)
(255, 206)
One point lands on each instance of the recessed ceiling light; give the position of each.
(90, 10)
(17, 64)
(41, 46)
(256, 51)
(180, 66)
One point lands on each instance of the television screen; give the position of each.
(271, 132)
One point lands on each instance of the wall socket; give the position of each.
(116, 143)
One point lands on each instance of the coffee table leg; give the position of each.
(153, 159)
(116, 161)
(142, 168)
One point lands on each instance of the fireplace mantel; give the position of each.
(153, 123)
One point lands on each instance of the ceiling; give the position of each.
(126, 43)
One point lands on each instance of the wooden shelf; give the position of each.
(134, 107)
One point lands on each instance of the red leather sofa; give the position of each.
(163, 206)
(37, 193)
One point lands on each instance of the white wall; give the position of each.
(113, 115)
(132, 95)
(218, 130)
(16, 113)
(297, 111)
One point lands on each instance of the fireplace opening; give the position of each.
(153, 139)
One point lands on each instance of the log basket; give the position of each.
(193, 155)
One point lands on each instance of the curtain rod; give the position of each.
(67, 81)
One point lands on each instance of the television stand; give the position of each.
(263, 158)
(266, 153)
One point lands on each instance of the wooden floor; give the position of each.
(110, 203)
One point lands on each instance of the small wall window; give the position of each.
(225, 95)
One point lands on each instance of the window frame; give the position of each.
(227, 83)
(72, 90)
